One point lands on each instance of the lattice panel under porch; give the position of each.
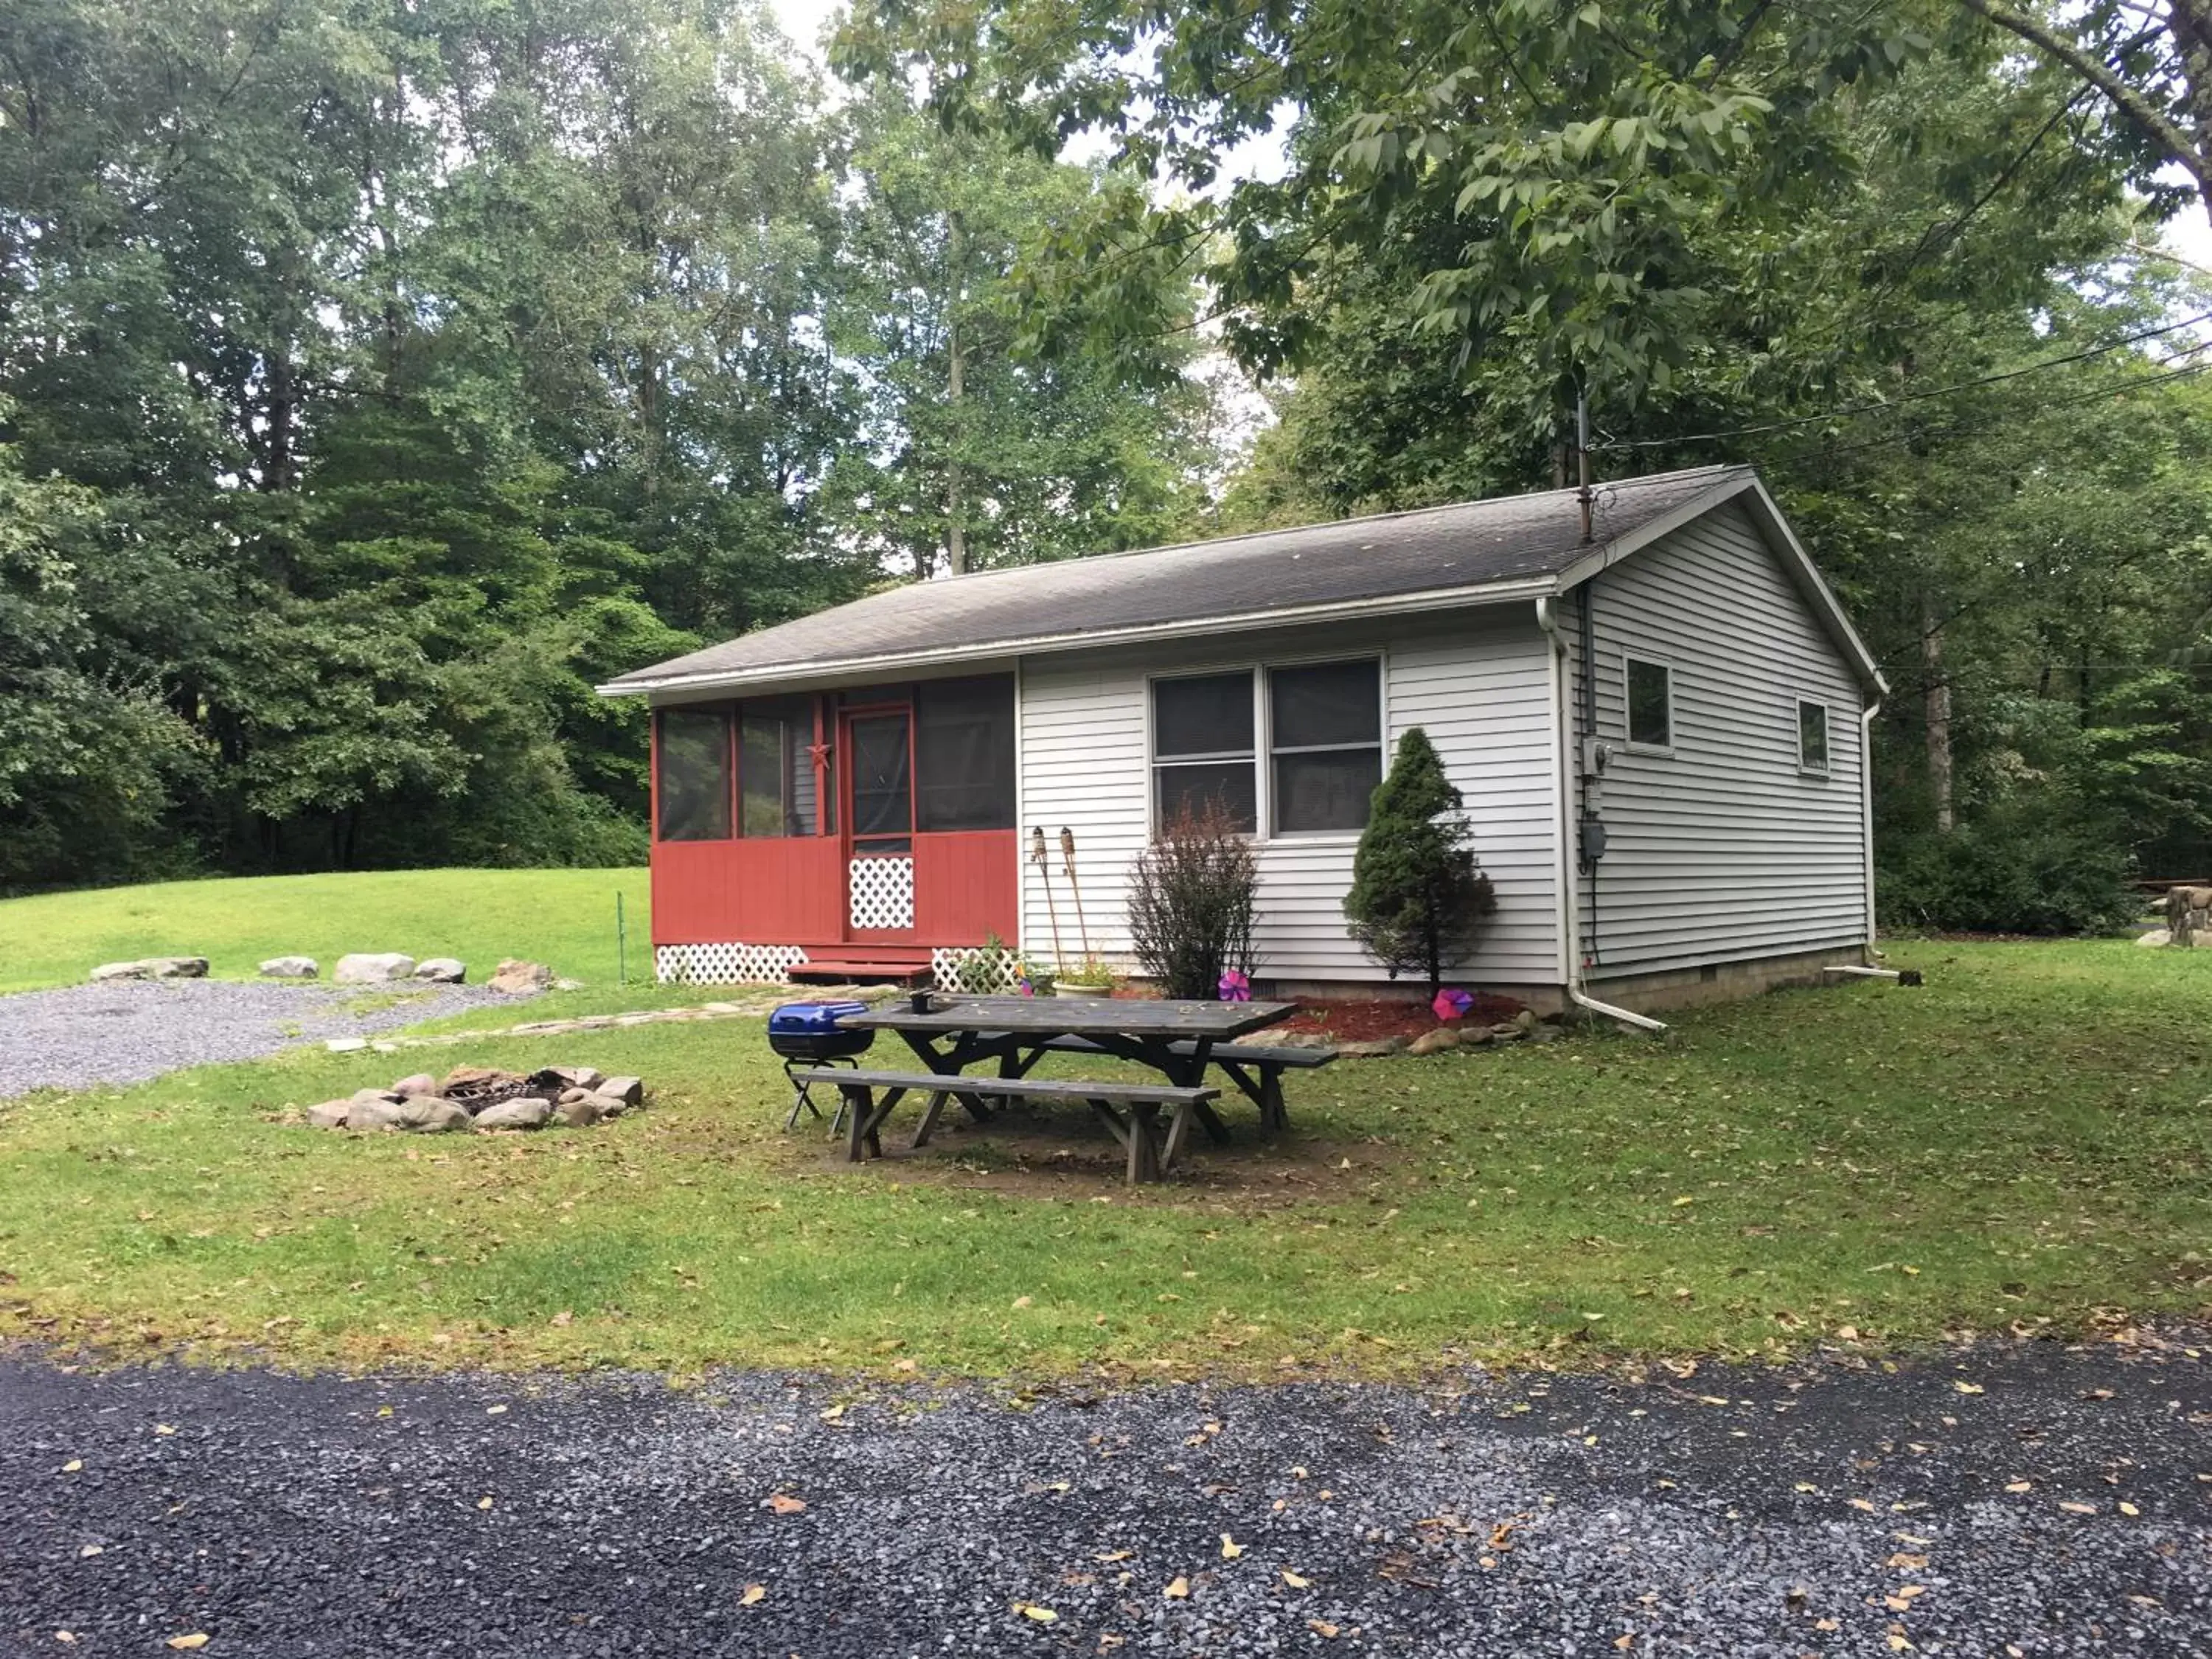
(724, 964)
(882, 894)
(977, 973)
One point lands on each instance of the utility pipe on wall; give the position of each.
(1547, 619)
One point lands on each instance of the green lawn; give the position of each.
(2022, 1142)
(565, 918)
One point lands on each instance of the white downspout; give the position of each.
(1547, 619)
(1866, 810)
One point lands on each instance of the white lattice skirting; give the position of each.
(977, 973)
(724, 964)
(882, 893)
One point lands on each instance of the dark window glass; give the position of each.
(882, 791)
(1813, 736)
(1329, 705)
(963, 753)
(1194, 786)
(695, 775)
(1325, 788)
(1210, 715)
(1651, 704)
(1326, 725)
(776, 767)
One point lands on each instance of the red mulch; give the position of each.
(1366, 1019)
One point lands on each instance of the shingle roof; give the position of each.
(1061, 605)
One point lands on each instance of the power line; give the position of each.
(1910, 396)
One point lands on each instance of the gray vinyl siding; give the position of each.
(1724, 849)
(1477, 680)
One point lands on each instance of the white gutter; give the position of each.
(1394, 605)
(1547, 619)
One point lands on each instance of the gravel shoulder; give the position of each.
(124, 1032)
(2053, 1500)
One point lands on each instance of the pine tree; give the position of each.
(1418, 896)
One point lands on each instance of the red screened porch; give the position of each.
(862, 828)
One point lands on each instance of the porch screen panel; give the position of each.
(1202, 747)
(776, 767)
(882, 780)
(695, 775)
(963, 753)
(1326, 736)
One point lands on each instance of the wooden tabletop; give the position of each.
(1074, 1017)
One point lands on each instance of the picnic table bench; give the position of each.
(1129, 1110)
(1178, 1039)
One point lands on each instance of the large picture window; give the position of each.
(1325, 744)
(1202, 747)
(695, 775)
(776, 767)
(963, 753)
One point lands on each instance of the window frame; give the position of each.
(1256, 669)
(1826, 765)
(1634, 745)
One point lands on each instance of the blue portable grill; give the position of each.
(806, 1034)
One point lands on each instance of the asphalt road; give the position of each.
(2026, 1499)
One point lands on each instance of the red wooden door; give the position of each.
(877, 777)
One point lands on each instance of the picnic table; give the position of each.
(1178, 1040)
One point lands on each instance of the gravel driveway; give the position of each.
(2050, 1499)
(132, 1030)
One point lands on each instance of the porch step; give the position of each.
(822, 972)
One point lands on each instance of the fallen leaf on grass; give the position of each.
(1905, 1562)
(186, 1644)
(784, 1503)
(565, 1317)
(1964, 1387)
(1321, 1628)
(1178, 1588)
(1864, 1504)
(1030, 1610)
(1231, 1549)
(1898, 1643)
(752, 1595)
(2018, 1485)
(2127, 1508)
(833, 1414)
(1295, 1582)
(1806, 1485)
(1114, 1555)
(1625, 1642)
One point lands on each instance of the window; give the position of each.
(1325, 744)
(776, 767)
(1202, 747)
(695, 775)
(1651, 704)
(1813, 736)
(963, 753)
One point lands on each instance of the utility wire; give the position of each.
(1888, 403)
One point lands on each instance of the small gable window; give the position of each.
(1651, 704)
(1813, 736)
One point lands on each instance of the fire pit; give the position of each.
(478, 1097)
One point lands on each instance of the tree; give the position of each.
(1418, 897)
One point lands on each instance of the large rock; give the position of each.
(2163, 936)
(107, 972)
(580, 1113)
(379, 1097)
(362, 1114)
(428, 1115)
(372, 969)
(515, 979)
(331, 1113)
(630, 1090)
(289, 967)
(476, 1074)
(528, 1113)
(1373, 1049)
(585, 1077)
(177, 967)
(422, 1083)
(1434, 1043)
(442, 971)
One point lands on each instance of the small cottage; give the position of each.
(1653, 704)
